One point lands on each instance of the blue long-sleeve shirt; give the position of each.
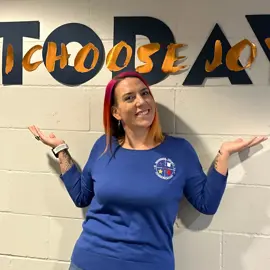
(133, 198)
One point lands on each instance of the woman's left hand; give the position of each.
(239, 145)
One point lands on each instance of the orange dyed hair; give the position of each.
(111, 124)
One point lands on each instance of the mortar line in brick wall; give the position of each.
(250, 235)
(174, 115)
(211, 134)
(45, 86)
(178, 86)
(29, 172)
(217, 134)
(90, 112)
(54, 129)
(95, 86)
(10, 256)
(248, 185)
(40, 215)
(153, 87)
(221, 251)
(49, 233)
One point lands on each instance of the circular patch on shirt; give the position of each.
(164, 168)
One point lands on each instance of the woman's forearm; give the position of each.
(65, 161)
(221, 162)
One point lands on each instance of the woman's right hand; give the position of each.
(49, 140)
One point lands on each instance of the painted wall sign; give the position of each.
(217, 58)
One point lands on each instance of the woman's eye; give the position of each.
(129, 98)
(146, 92)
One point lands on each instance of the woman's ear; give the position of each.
(115, 113)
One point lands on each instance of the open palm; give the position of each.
(50, 140)
(240, 144)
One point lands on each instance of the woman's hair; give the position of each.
(111, 126)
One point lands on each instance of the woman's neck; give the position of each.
(138, 140)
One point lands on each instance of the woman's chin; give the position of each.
(143, 124)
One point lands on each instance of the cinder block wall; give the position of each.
(38, 222)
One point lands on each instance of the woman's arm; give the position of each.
(203, 191)
(78, 184)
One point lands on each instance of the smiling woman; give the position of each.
(129, 108)
(133, 182)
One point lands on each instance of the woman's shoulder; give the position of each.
(177, 140)
(101, 142)
(183, 144)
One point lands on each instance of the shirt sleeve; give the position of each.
(203, 191)
(80, 184)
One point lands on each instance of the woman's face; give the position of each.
(135, 106)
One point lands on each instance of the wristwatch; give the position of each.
(59, 148)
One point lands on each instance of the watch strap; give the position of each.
(59, 148)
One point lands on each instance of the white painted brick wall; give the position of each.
(38, 222)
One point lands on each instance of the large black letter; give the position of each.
(126, 29)
(197, 74)
(74, 32)
(260, 26)
(13, 33)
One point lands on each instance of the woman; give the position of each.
(133, 182)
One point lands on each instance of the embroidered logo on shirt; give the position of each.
(164, 168)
